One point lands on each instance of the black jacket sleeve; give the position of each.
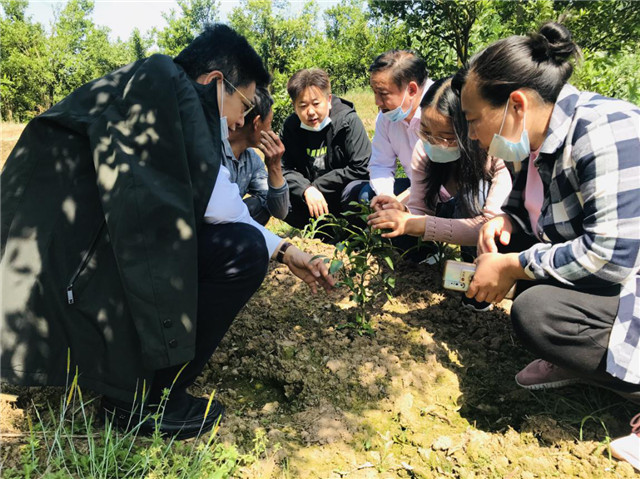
(356, 148)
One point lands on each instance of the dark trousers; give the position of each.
(299, 216)
(256, 210)
(232, 263)
(568, 327)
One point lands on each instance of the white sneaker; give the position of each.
(627, 448)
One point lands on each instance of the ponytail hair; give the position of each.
(540, 61)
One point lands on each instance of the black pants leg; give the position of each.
(567, 326)
(256, 210)
(571, 328)
(232, 263)
(298, 216)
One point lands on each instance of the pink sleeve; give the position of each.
(416, 202)
(499, 190)
(464, 231)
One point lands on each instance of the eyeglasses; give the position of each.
(248, 104)
(437, 140)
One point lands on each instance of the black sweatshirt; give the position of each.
(330, 158)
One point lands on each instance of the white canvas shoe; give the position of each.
(627, 448)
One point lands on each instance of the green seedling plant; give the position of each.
(362, 261)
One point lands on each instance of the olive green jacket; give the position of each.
(101, 202)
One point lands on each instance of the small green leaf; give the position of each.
(389, 261)
(336, 264)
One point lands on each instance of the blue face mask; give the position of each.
(441, 154)
(320, 126)
(398, 114)
(500, 147)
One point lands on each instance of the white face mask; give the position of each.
(398, 114)
(224, 126)
(320, 126)
(441, 154)
(500, 147)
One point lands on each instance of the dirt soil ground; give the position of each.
(430, 395)
(9, 134)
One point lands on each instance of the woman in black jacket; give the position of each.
(327, 149)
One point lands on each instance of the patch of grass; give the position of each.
(365, 106)
(67, 443)
(281, 228)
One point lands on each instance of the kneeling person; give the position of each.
(265, 191)
(327, 149)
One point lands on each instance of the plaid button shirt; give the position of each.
(589, 164)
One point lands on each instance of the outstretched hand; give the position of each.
(501, 227)
(312, 271)
(316, 202)
(384, 202)
(390, 219)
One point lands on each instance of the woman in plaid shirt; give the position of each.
(570, 235)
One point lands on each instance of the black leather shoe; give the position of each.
(183, 418)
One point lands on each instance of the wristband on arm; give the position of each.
(280, 254)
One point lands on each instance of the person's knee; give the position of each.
(249, 245)
(237, 244)
(366, 194)
(257, 211)
(529, 315)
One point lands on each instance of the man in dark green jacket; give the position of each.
(109, 269)
(327, 149)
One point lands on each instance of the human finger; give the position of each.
(312, 212)
(487, 242)
(505, 237)
(391, 234)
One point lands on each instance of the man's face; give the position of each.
(237, 104)
(234, 106)
(260, 125)
(387, 94)
(312, 106)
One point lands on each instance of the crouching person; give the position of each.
(327, 149)
(124, 253)
(265, 191)
(571, 233)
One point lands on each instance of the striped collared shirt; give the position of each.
(589, 224)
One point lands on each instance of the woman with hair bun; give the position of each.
(570, 235)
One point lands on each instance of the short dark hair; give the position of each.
(405, 66)
(539, 61)
(263, 103)
(221, 48)
(471, 168)
(308, 77)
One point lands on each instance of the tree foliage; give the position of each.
(23, 63)
(39, 67)
(184, 25)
